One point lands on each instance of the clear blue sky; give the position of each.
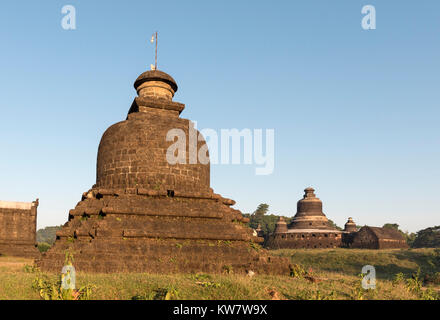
(356, 113)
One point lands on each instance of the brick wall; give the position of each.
(132, 154)
(18, 228)
(306, 240)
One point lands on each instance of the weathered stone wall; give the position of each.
(392, 244)
(18, 228)
(366, 238)
(152, 232)
(306, 240)
(363, 239)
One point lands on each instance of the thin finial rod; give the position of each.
(155, 59)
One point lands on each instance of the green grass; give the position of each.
(350, 261)
(336, 271)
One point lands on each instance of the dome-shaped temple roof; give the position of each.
(155, 75)
(350, 225)
(134, 153)
(309, 213)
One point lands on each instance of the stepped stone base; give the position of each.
(135, 230)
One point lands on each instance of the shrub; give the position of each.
(30, 268)
(158, 294)
(43, 246)
(50, 289)
(297, 271)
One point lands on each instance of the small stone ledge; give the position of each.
(142, 212)
(159, 235)
(17, 205)
(98, 193)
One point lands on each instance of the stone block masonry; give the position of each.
(18, 223)
(145, 214)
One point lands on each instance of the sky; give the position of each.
(355, 112)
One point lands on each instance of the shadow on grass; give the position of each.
(427, 260)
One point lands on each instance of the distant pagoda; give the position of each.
(309, 228)
(309, 213)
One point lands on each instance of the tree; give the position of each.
(265, 221)
(428, 238)
(47, 234)
(334, 225)
(409, 237)
(258, 216)
(394, 226)
(262, 209)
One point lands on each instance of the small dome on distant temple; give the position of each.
(259, 231)
(350, 226)
(281, 226)
(309, 213)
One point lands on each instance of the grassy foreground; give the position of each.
(320, 274)
(387, 263)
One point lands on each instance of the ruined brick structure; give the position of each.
(310, 229)
(378, 238)
(145, 214)
(18, 223)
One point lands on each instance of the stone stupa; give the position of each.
(309, 228)
(147, 215)
(309, 213)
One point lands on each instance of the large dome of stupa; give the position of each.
(133, 153)
(309, 213)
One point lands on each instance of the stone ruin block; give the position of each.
(18, 223)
